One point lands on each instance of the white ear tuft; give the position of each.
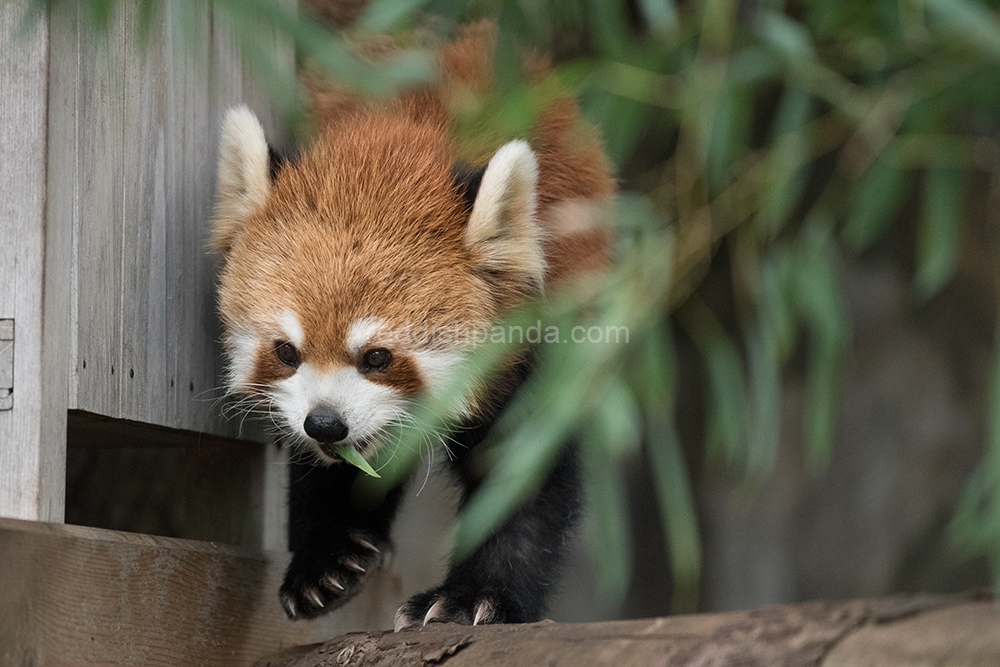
(244, 182)
(502, 228)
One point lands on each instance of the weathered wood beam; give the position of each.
(924, 630)
(76, 597)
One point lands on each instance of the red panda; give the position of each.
(333, 259)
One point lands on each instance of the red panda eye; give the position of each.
(377, 360)
(287, 353)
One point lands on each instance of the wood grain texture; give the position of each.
(32, 433)
(146, 343)
(781, 636)
(143, 325)
(99, 237)
(189, 177)
(82, 597)
(965, 635)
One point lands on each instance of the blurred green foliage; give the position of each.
(788, 134)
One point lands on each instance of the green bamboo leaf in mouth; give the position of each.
(350, 455)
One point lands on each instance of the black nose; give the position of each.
(324, 425)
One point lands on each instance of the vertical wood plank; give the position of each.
(143, 322)
(99, 278)
(157, 379)
(61, 231)
(192, 356)
(32, 432)
(22, 195)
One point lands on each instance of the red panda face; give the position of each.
(357, 278)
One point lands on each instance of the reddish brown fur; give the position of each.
(368, 223)
(571, 159)
(355, 229)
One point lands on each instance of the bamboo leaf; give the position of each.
(971, 21)
(519, 473)
(677, 511)
(818, 297)
(788, 174)
(941, 228)
(726, 401)
(823, 380)
(629, 117)
(661, 16)
(728, 141)
(777, 300)
(975, 526)
(876, 201)
(764, 398)
(352, 456)
(670, 476)
(608, 518)
(530, 446)
(610, 28)
(618, 421)
(655, 373)
(786, 36)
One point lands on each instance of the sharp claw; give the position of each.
(331, 582)
(354, 566)
(314, 597)
(434, 612)
(484, 612)
(362, 542)
(289, 604)
(402, 620)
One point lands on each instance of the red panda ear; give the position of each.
(244, 182)
(502, 229)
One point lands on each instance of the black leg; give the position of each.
(509, 577)
(333, 541)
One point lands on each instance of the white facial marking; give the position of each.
(242, 344)
(363, 406)
(291, 327)
(437, 368)
(362, 331)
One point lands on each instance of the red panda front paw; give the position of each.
(322, 577)
(454, 604)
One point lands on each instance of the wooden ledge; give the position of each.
(72, 596)
(958, 631)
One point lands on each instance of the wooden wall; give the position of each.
(107, 168)
(143, 164)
